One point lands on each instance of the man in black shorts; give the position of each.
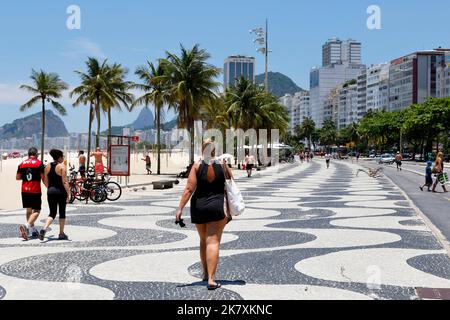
(31, 172)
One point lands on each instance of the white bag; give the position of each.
(235, 200)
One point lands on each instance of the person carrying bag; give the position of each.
(235, 201)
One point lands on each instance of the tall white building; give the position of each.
(341, 62)
(361, 85)
(297, 106)
(236, 67)
(413, 78)
(443, 77)
(325, 79)
(336, 51)
(348, 105)
(377, 92)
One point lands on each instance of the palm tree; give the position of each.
(118, 90)
(307, 129)
(156, 93)
(102, 87)
(243, 106)
(215, 115)
(91, 91)
(250, 107)
(190, 85)
(47, 88)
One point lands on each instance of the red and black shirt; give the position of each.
(31, 170)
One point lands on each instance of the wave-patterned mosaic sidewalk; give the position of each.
(307, 233)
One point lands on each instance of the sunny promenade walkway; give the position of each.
(307, 233)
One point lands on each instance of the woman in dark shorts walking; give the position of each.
(209, 210)
(58, 193)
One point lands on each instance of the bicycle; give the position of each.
(83, 189)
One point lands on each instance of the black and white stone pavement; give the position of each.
(308, 233)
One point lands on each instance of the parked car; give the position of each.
(386, 158)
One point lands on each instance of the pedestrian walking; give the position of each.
(31, 172)
(398, 161)
(209, 209)
(302, 157)
(249, 164)
(439, 171)
(82, 164)
(327, 160)
(58, 193)
(357, 156)
(148, 164)
(428, 176)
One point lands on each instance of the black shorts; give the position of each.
(249, 166)
(32, 200)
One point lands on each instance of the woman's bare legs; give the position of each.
(201, 229)
(62, 223)
(214, 232)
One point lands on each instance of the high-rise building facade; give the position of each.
(413, 78)
(331, 106)
(336, 51)
(377, 91)
(236, 67)
(297, 106)
(341, 63)
(325, 79)
(361, 85)
(443, 77)
(347, 111)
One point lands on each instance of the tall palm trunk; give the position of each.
(158, 137)
(91, 114)
(43, 130)
(97, 110)
(109, 126)
(192, 142)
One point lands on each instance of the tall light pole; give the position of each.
(263, 40)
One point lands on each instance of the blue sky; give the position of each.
(34, 35)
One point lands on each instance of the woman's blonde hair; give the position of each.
(209, 147)
(440, 155)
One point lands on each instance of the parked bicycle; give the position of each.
(98, 190)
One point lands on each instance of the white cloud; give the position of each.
(11, 94)
(83, 47)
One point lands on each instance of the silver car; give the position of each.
(386, 158)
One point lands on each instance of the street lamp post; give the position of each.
(263, 40)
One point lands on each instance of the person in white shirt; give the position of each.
(328, 159)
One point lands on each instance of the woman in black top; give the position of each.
(58, 193)
(208, 208)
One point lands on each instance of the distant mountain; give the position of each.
(279, 84)
(26, 127)
(145, 120)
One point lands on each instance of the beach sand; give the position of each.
(171, 164)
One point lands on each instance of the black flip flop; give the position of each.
(214, 287)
